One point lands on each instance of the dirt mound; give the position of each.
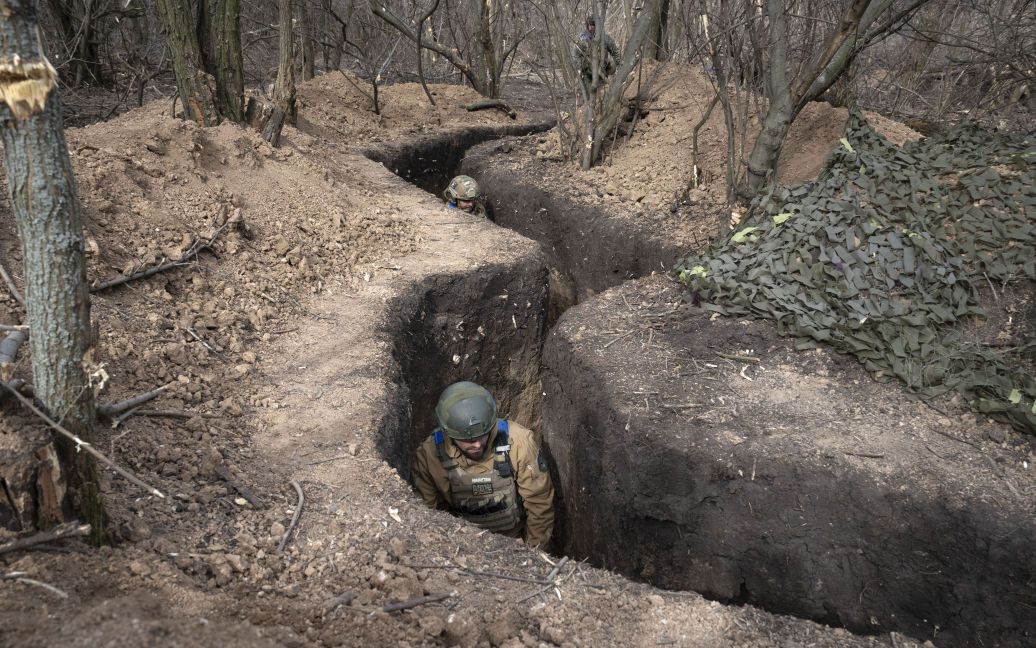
(652, 166)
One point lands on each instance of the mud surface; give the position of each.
(791, 480)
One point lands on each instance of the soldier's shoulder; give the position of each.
(519, 434)
(428, 445)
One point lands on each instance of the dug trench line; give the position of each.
(790, 481)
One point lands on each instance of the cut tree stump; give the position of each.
(32, 484)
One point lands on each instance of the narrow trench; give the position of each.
(446, 305)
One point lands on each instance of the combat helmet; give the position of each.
(466, 411)
(461, 188)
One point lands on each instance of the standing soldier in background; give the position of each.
(463, 194)
(488, 471)
(584, 52)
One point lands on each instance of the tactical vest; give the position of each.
(489, 500)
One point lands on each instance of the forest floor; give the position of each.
(276, 345)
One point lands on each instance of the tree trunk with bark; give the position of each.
(46, 208)
(219, 39)
(284, 87)
(788, 98)
(655, 46)
(197, 88)
(306, 37)
(611, 105)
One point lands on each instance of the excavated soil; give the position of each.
(306, 347)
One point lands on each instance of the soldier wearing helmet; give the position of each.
(586, 49)
(462, 193)
(487, 470)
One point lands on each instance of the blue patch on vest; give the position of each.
(501, 430)
(437, 435)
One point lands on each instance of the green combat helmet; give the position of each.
(466, 411)
(461, 188)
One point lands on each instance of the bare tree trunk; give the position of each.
(284, 87)
(655, 45)
(46, 208)
(787, 99)
(197, 88)
(306, 36)
(219, 39)
(612, 103)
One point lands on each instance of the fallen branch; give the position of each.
(61, 531)
(414, 602)
(111, 410)
(342, 599)
(9, 351)
(739, 358)
(14, 327)
(22, 578)
(491, 103)
(294, 518)
(191, 252)
(245, 491)
(557, 568)
(472, 572)
(10, 285)
(80, 444)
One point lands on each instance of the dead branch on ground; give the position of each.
(22, 577)
(191, 252)
(97, 454)
(294, 518)
(10, 285)
(60, 532)
(111, 410)
(243, 490)
(491, 103)
(414, 602)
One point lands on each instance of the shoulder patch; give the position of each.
(541, 462)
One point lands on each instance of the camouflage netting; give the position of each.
(881, 256)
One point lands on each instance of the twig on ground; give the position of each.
(472, 572)
(196, 337)
(739, 358)
(191, 252)
(294, 518)
(22, 578)
(66, 530)
(10, 285)
(167, 414)
(950, 436)
(868, 455)
(342, 599)
(414, 602)
(14, 327)
(557, 568)
(245, 491)
(111, 410)
(84, 445)
(998, 473)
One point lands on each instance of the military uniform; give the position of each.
(583, 54)
(508, 490)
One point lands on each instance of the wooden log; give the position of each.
(492, 103)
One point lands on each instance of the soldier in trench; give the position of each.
(463, 194)
(487, 470)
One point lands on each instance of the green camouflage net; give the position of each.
(881, 255)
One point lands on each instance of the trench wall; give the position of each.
(487, 326)
(592, 248)
(431, 162)
(752, 502)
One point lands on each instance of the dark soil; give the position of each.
(791, 480)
